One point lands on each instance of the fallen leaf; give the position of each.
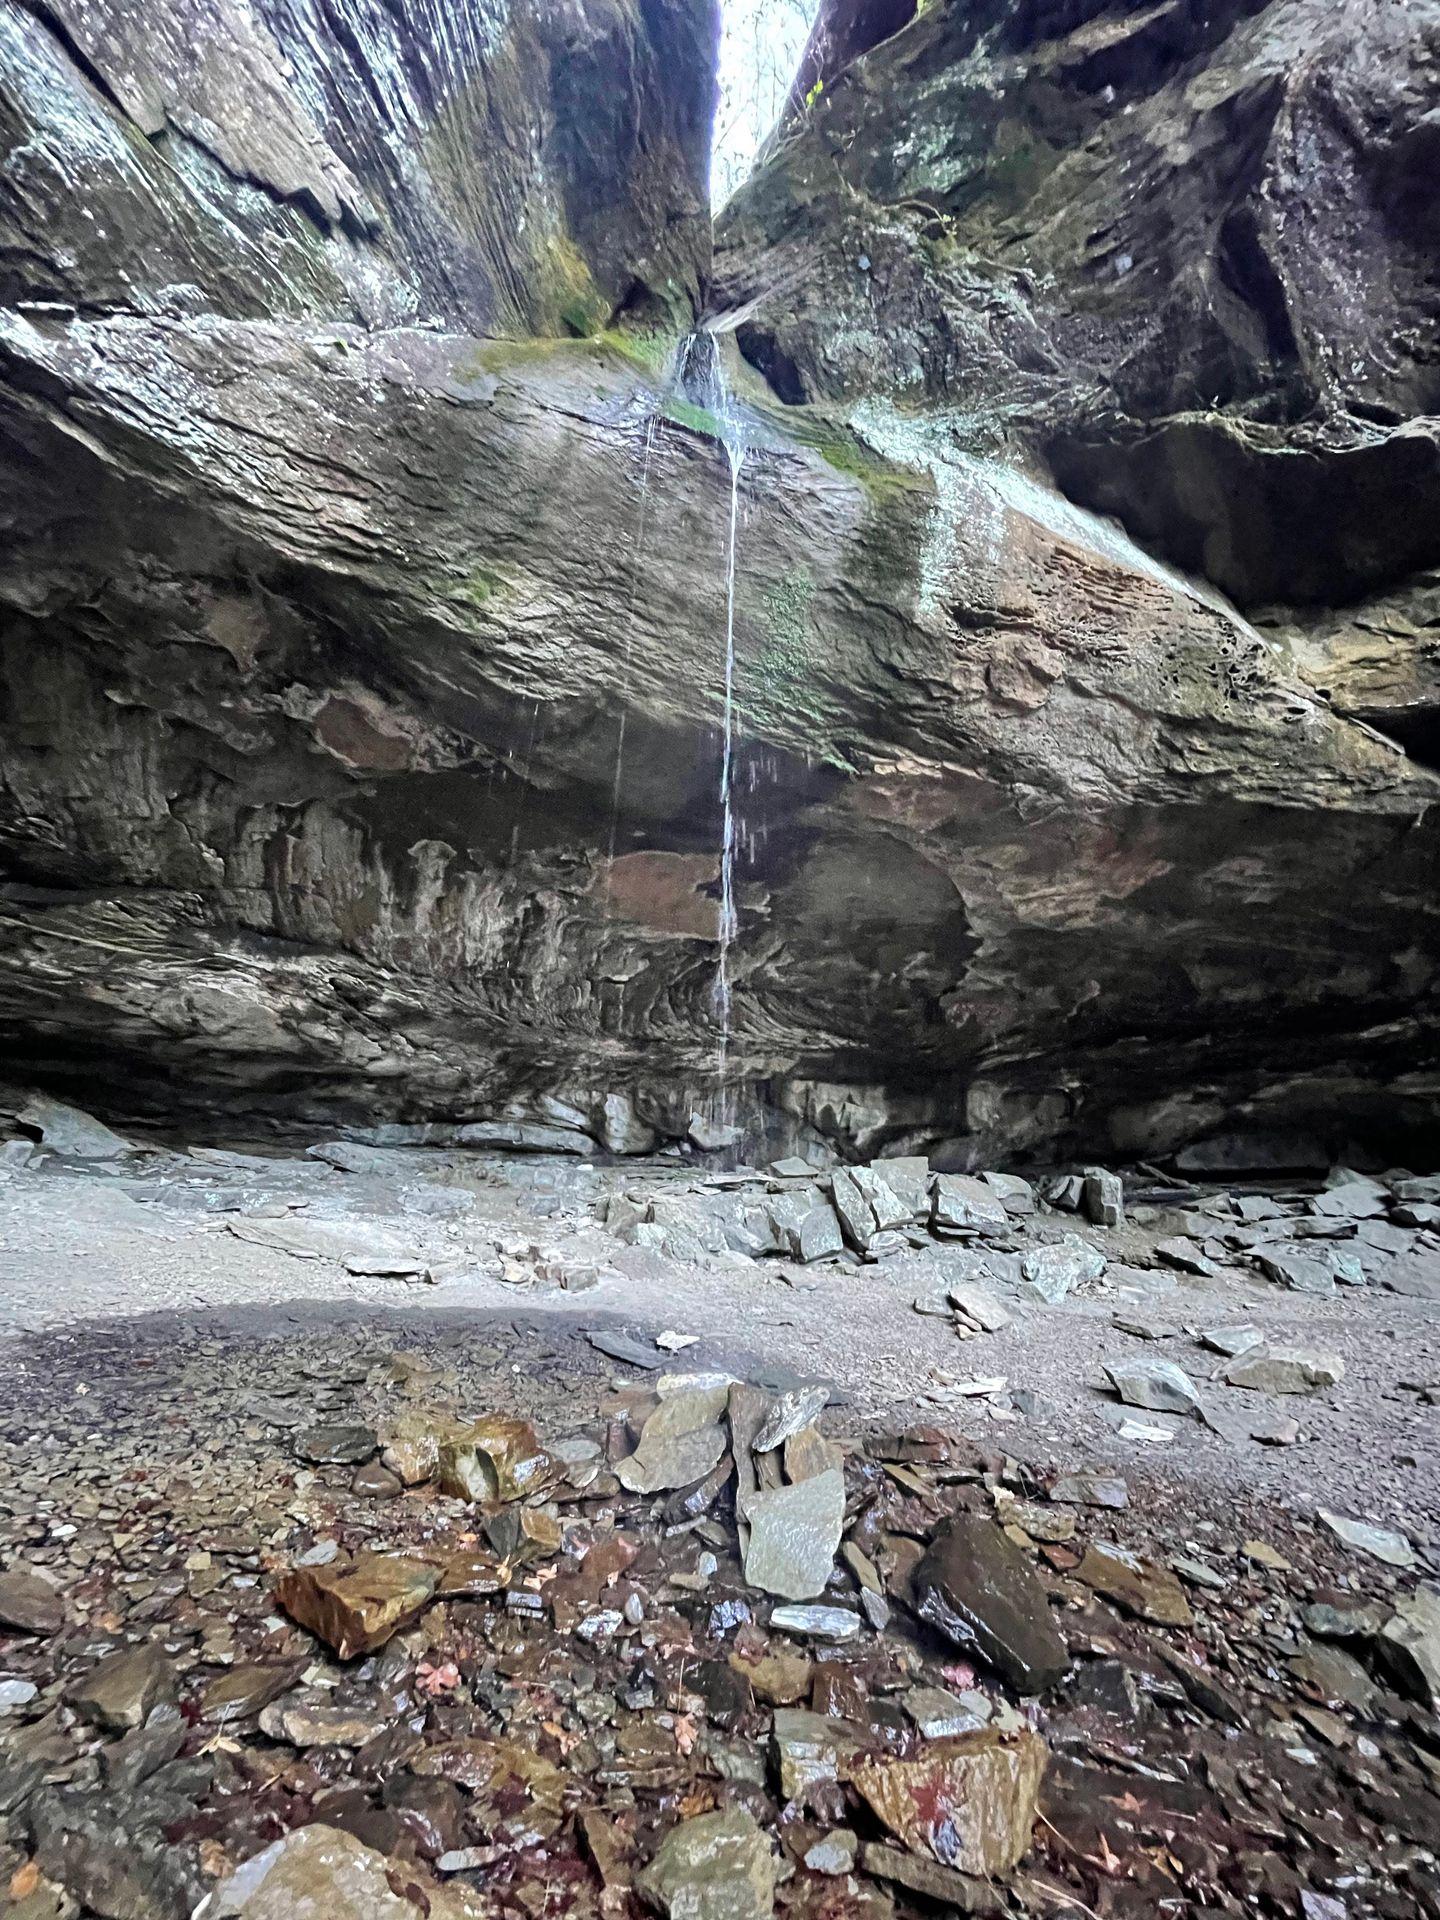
(24, 1880)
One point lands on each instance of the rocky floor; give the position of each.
(1100, 1630)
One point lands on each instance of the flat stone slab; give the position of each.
(794, 1536)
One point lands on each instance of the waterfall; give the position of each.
(702, 374)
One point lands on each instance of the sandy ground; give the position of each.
(87, 1250)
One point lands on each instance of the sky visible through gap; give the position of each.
(760, 46)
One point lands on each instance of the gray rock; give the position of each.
(621, 1128)
(71, 1132)
(856, 1215)
(680, 1443)
(1409, 1645)
(890, 1211)
(1103, 1197)
(794, 1536)
(1182, 1253)
(908, 1177)
(961, 1204)
(1381, 1543)
(718, 1866)
(834, 1853)
(979, 1307)
(1054, 1271)
(1302, 1272)
(1090, 1490)
(1354, 1198)
(712, 1136)
(1017, 1196)
(835, 1624)
(797, 1407)
(1159, 1385)
(523, 1136)
(1231, 1341)
(817, 1236)
(1285, 1370)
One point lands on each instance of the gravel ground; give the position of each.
(81, 1246)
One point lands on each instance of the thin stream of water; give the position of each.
(735, 450)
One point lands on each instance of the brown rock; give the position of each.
(411, 1443)
(120, 1690)
(780, 1677)
(356, 1605)
(961, 1892)
(29, 1604)
(497, 1458)
(246, 1689)
(1147, 1589)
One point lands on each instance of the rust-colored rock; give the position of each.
(497, 1458)
(357, 1605)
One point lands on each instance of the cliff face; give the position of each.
(363, 669)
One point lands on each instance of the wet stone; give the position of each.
(719, 1866)
(959, 1892)
(496, 1458)
(794, 1536)
(836, 1624)
(245, 1690)
(939, 1715)
(376, 1482)
(321, 1871)
(811, 1749)
(800, 1407)
(976, 1586)
(339, 1446)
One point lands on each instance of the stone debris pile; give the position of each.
(345, 1644)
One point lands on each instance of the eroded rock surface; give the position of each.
(363, 672)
